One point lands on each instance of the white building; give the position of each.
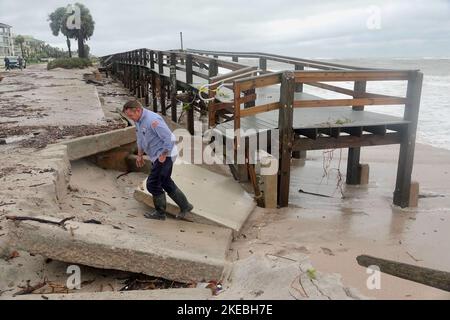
(6, 41)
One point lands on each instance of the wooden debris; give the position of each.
(30, 289)
(430, 277)
(60, 223)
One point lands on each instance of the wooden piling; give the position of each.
(354, 154)
(407, 146)
(173, 86)
(285, 125)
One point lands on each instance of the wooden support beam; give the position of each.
(258, 109)
(249, 98)
(160, 63)
(359, 89)
(162, 94)
(173, 86)
(260, 81)
(429, 277)
(263, 64)
(364, 75)
(332, 132)
(354, 154)
(152, 59)
(213, 68)
(378, 130)
(348, 102)
(353, 173)
(189, 75)
(406, 158)
(346, 142)
(154, 97)
(353, 131)
(309, 133)
(400, 127)
(285, 124)
(235, 58)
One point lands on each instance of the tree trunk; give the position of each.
(80, 45)
(68, 46)
(21, 49)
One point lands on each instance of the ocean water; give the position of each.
(434, 116)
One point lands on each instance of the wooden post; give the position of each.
(235, 58)
(250, 103)
(152, 60)
(285, 123)
(189, 75)
(173, 86)
(299, 86)
(213, 68)
(129, 71)
(406, 157)
(154, 98)
(139, 74)
(190, 80)
(160, 63)
(146, 77)
(162, 94)
(133, 72)
(354, 154)
(263, 64)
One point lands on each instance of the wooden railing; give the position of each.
(316, 78)
(142, 69)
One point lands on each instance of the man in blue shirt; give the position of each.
(156, 140)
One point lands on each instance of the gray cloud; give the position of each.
(301, 28)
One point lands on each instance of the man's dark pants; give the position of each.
(159, 179)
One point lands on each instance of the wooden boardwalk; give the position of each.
(257, 98)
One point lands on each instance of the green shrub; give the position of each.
(69, 63)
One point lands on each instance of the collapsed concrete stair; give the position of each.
(178, 250)
(217, 199)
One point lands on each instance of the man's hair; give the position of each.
(132, 104)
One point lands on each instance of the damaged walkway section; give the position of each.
(106, 247)
(217, 199)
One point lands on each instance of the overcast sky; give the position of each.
(320, 29)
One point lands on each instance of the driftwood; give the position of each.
(430, 277)
(30, 289)
(60, 223)
(95, 82)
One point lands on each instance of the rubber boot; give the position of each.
(180, 199)
(160, 208)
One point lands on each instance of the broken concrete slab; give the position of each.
(163, 251)
(164, 294)
(217, 199)
(89, 145)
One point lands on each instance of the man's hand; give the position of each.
(140, 161)
(162, 157)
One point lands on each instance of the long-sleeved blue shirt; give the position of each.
(154, 136)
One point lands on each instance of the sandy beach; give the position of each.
(327, 232)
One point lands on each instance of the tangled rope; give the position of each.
(219, 94)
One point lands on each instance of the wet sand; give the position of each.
(334, 231)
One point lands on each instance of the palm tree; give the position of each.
(20, 40)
